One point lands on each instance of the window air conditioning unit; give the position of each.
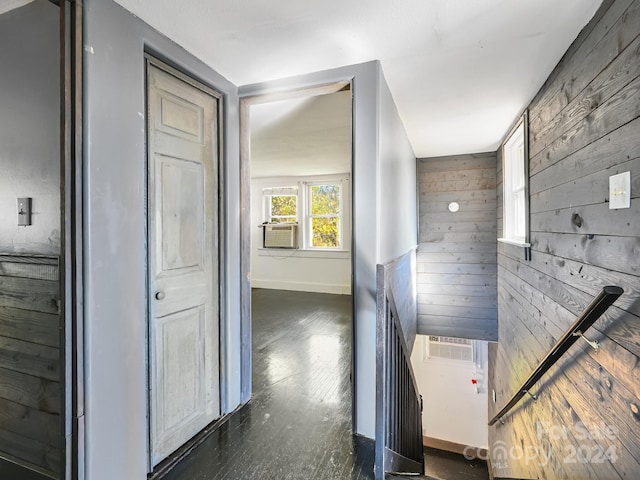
(280, 235)
(449, 348)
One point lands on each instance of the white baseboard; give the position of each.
(302, 286)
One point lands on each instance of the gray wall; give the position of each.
(584, 127)
(397, 204)
(114, 234)
(30, 360)
(373, 113)
(457, 271)
(30, 127)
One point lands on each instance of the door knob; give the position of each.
(159, 295)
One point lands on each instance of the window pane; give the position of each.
(325, 200)
(514, 186)
(325, 232)
(283, 219)
(284, 205)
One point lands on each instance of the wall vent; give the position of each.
(449, 348)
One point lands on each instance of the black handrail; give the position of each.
(596, 308)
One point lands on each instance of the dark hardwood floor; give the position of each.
(298, 423)
(297, 426)
(11, 471)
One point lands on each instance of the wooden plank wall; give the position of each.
(30, 386)
(399, 278)
(584, 127)
(456, 260)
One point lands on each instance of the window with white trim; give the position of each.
(324, 215)
(514, 171)
(320, 205)
(281, 204)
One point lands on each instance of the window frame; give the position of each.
(303, 185)
(267, 203)
(309, 216)
(515, 198)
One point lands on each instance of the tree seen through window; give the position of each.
(325, 211)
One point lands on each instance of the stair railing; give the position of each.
(596, 308)
(399, 445)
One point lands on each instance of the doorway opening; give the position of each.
(297, 157)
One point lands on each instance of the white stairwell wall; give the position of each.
(454, 409)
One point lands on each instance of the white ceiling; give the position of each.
(460, 71)
(301, 136)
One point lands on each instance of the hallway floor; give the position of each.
(297, 426)
(298, 423)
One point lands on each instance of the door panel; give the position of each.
(183, 261)
(181, 197)
(180, 394)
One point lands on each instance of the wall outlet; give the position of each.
(620, 191)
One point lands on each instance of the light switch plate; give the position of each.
(620, 191)
(24, 211)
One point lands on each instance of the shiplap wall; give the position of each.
(584, 127)
(456, 260)
(30, 387)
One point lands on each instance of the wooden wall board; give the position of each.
(461, 269)
(485, 290)
(616, 253)
(586, 190)
(44, 457)
(579, 368)
(456, 260)
(399, 278)
(450, 163)
(568, 302)
(620, 109)
(30, 358)
(29, 294)
(30, 391)
(590, 53)
(606, 15)
(452, 257)
(456, 300)
(484, 280)
(617, 74)
(454, 311)
(10, 267)
(464, 247)
(617, 146)
(30, 423)
(550, 393)
(587, 278)
(467, 203)
(455, 173)
(478, 329)
(30, 326)
(455, 196)
(482, 183)
(595, 219)
(30, 361)
(449, 237)
(611, 358)
(480, 220)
